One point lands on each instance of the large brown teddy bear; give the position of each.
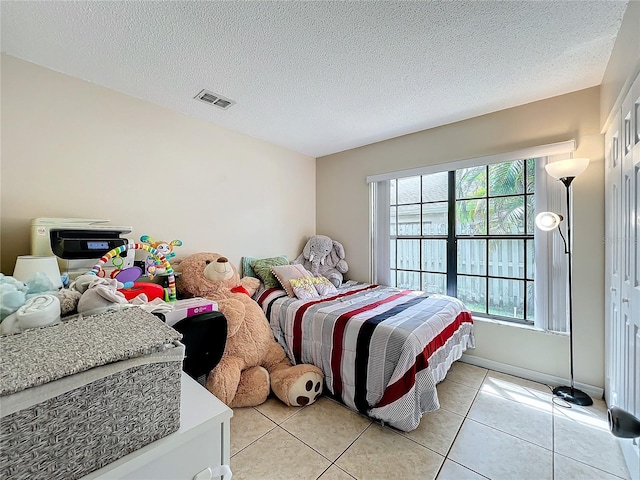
(253, 363)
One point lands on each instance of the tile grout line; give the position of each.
(556, 412)
(305, 443)
(299, 439)
(466, 417)
(331, 462)
(569, 407)
(276, 424)
(446, 457)
(350, 445)
(254, 441)
(279, 425)
(593, 467)
(470, 469)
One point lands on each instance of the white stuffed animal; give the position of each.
(101, 293)
(38, 311)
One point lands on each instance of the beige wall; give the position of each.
(172, 176)
(623, 65)
(343, 214)
(71, 148)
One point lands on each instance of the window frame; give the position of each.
(551, 294)
(452, 238)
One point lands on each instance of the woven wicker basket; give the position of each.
(130, 402)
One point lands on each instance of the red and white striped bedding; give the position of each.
(382, 350)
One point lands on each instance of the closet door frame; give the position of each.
(622, 250)
(613, 262)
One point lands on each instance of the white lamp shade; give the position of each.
(28, 265)
(567, 168)
(547, 221)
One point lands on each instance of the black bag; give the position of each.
(204, 337)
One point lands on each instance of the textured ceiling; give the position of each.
(321, 77)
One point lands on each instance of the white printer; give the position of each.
(78, 243)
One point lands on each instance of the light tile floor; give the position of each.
(490, 425)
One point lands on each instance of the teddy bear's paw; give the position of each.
(306, 390)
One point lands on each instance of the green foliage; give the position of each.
(507, 181)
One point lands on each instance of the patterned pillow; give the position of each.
(247, 271)
(303, 288)
(284, 273)
(323, 286)
(262, 268)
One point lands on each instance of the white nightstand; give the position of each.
(203, 441)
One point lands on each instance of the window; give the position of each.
(483, 252)
(466, 229)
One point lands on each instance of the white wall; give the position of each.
(623, 65)
(343, 214)
(71, 148)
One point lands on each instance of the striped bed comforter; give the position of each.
(382, 349)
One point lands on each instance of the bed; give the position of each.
(382, 349)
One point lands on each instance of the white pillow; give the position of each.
(284, 273)
(303, 288)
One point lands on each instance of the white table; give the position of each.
(201, 443)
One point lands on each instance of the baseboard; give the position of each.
(595, 392)
(631, 456)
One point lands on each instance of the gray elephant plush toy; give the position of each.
(323, 256)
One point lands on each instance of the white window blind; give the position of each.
(551, 261)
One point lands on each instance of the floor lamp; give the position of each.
(566, 171)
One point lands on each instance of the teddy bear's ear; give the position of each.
(175, 264)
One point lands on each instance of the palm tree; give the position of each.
(492, 200)
(506, 183)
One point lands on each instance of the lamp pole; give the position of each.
(567, 184)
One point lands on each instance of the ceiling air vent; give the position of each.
(214, 99)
